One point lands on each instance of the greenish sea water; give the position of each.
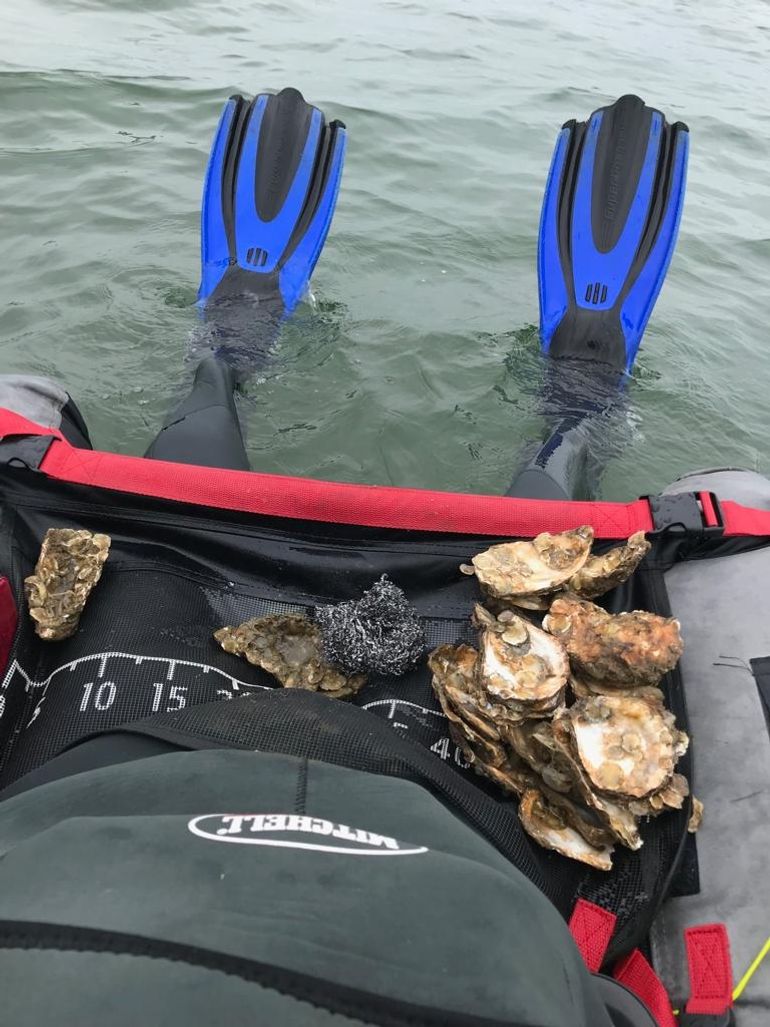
(419, 365)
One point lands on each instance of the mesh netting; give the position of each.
(145, 650)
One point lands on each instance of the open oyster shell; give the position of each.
(601, 573)
(288, 646)
(616, 817)
(456, 684)
(627, 746)
(547, 824)
(69, 565)
(633, 648)
(521, 668)
(523, 569)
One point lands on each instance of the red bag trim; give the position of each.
(368, 505)
(9, 621)
(638, 976)
(710, 969)
(592, 928)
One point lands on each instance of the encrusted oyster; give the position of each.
(696, 817)
(515, 570)
(614, 815)
(588, 773)
(633, 648)
(671, 796)
(288, 646)
(532, 740)
(69, 565)
(601, 573)
(454, 682)
(547, 824)
(627, 746)
(585, 687)
(521, 668)
(470, 716)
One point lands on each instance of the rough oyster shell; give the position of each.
(539, 603)
(617, 817)
(585, 687)
(696, 817)
(670, 796)
(522, 569)
(627, 746)
(69, 565)
(635, 648)
(533, 741)
(288, 646)
(601, 573)
(549, 827)
(521, 668)
(454, 682)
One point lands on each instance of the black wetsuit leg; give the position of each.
(204, 429)
(73, 426)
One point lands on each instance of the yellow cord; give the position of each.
(741, 985)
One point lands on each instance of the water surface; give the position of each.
(420, 365)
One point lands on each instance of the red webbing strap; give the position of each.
(331, 502)
(9, 619)
(369, 505)
(744, 520)
(14, 424)
(638, 976)
(592, 928)
(710, 968)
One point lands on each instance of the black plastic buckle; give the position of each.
(682, 513)
(726, 1019)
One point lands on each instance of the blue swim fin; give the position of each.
(268, 200)
(608, 228)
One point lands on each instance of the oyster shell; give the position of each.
(627, 746)
(549, 827)
(696, 817)
(468, 711)
(288, 646)
(631, 648)
(521, 668)
(671, 796)
(539, 603)
(585, 821)
(533, 741)
(601, 573)
(454, 682)
(585, 687)
(521, 569)
(617, 817)
(69, 565)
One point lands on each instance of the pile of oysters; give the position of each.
(568, 716)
